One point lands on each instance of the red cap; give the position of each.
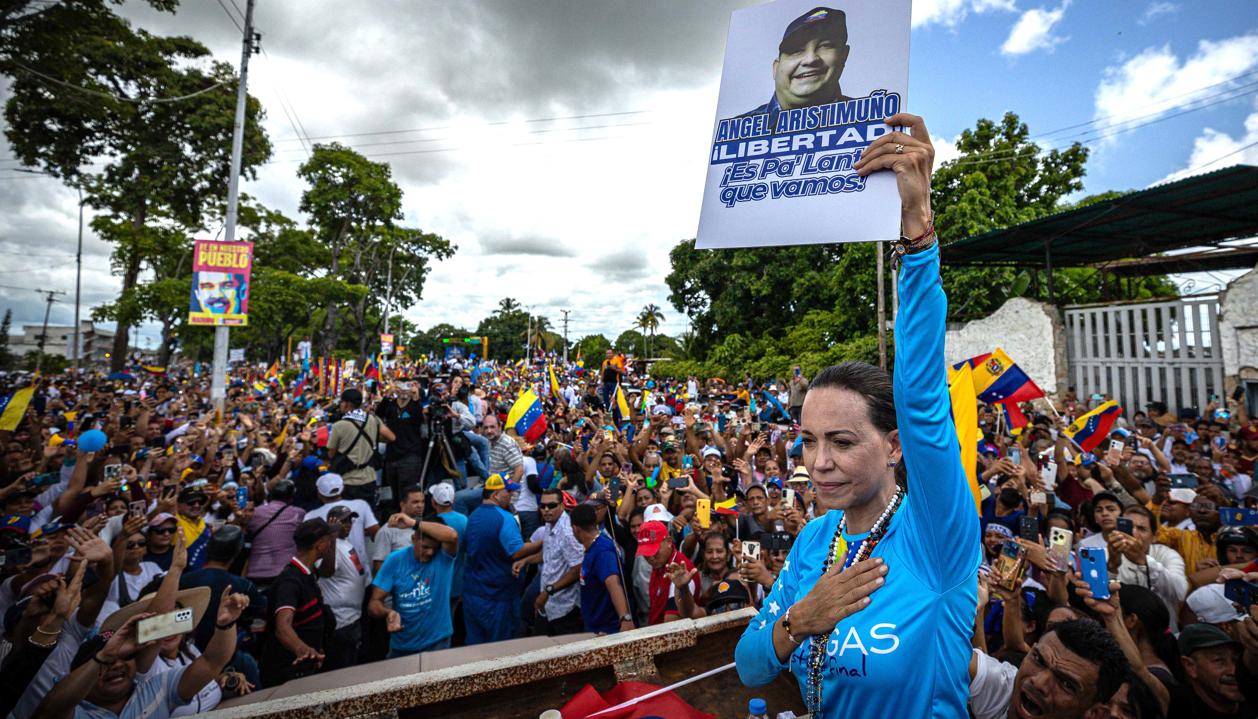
(650, 536)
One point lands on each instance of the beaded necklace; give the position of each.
(838, 548)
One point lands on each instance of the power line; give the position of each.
(116, 98)
(457, 127)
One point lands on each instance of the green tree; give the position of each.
(629, 341)
(592, 349)
(505, 328)
(6, 356)
(92, 103)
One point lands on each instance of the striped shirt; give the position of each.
(504, 456)
(155, 697)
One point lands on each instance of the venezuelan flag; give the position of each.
(1094, 427)
(13, 408)
(997, 378)
(554, 383)
(1015, 420)
(622, 404)
(729, 507)
(965, 418)
(371, 370)
(526, 417)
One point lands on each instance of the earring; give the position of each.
(891, 464)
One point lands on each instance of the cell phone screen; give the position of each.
(1124, 525)
(1029, 529)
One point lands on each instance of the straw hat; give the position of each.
(197, 599)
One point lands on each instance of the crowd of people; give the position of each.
(161, 555)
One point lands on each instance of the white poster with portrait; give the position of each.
(804, 90)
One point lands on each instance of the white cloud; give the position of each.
(1156, 82)
(1158, 9)
(951, 12)
(945, 149)
(1034, 31)
(1215, 150)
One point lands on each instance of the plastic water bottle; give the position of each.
(756, 709)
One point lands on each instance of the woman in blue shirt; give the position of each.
(903, 514)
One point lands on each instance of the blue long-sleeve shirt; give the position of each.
(907, 653)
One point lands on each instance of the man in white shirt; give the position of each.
(343, 592)
(1154, 566)
(330, 486)
(558, 604)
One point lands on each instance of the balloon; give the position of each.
(92, 440)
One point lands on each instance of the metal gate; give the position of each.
(1141, 352)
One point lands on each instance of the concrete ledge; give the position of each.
(456, 673)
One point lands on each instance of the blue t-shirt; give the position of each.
(492, 537)
(421, 595)
(596, 603)
(457, 522)
(1013, 520)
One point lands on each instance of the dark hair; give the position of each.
(410, 489)
(871, 383)
(583, 516)
(1144, 512)
(1155, 622)
(1089, 640)
(1142, 698)
(552, 490)
(225, 544)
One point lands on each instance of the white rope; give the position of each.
(661, 690)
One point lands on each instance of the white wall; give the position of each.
(1030, 332)
(1238, 328)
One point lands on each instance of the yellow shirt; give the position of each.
(1191, 544)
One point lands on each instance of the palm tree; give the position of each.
(539, 335)
(650, 318)
(642, 323)
(507, 305)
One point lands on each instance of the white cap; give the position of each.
(1211, 607)
(530, 467)
(710, 451)
(1183, 495)
(330, 485)
(656, 513)
(442, 493)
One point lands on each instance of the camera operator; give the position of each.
(352, 447)
(402, 414)
(450, 449)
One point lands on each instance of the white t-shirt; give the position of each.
(135, 585)
(205, 700)
(343, 591)
(991, 688)
(358, 531)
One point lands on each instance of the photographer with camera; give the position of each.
(401, 412)
(352, 447)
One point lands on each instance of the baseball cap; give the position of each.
(711, 452)
(1183, 495)
(311, 531)
(497, 481)
(728, 593)
(160, 518)
(310, 462)
(656, 513)
(52, 527)
(340, 512)
(188, 493)
(1107, 496)
(1202, 636)
(352, 395)
(1211, 607)
(330, 485)
(650, 536)
(442, 493)
(18, 523)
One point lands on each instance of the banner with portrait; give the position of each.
(804, 90)
(220, 283)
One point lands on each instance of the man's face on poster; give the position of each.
(807, 69)
(219, 292)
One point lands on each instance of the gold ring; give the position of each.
(899, 149)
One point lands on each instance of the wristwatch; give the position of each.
(627, 618)
(549, 589)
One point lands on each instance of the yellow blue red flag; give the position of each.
(1092, 428)
(526, 417)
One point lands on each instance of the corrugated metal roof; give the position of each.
(1194, 212)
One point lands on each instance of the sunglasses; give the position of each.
(548, 505)
(163, 530)
(193, 502)
(135, 545)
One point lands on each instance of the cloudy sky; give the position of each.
(561, 143)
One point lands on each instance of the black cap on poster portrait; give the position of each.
(821, 22)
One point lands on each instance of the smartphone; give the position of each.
(1029, 528)
(112, 471)
(242, 497)
(1048, 474)
(703, 510)
(1039, 498)
(1093, 570)
(984, 492)
(46, 479)
(1183, 481)
(790, 496)
(1124, 525)
(1238, 393)
(1012, 564)
(10, 559)
(1241, 591)
(1059, 543)
(164, 625)
(137, 508)
(678, 483)
(1114, 454)
(1131, 442)
(1050, 499)
(687, 462)
(1238, 517)
(751, 550)
(626, 468)
(1015, 455)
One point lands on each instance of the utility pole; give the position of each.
(78, 283)
(528, 340)
(565, 337)
(43, 334)
(882, 306)
(222, 338)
